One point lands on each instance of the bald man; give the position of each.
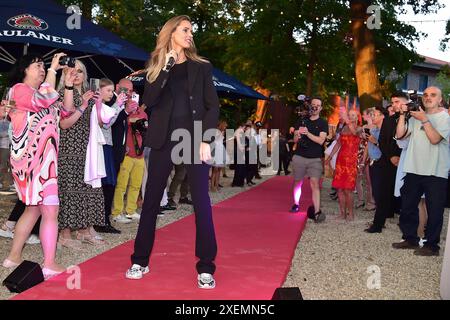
(120, 127)
(426, 165)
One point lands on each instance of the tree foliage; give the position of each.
(286, 46)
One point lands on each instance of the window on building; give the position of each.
(423, 82)
(404, 83)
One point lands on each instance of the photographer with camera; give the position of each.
(311, 132)
(426, 166)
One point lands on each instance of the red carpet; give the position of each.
(256, 239)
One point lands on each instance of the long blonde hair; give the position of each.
(163, 46)
(84, 85)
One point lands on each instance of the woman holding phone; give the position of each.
(179, 92)
(81, 205)
(34, 153)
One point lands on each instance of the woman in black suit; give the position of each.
(178, 96)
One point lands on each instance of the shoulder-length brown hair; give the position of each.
(163, 46)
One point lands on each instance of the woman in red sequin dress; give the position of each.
(346, 164)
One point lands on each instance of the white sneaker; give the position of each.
(6, 232)
(133, 216)
(136, 272)
(121, 218)
(206, 281)
(33, 239)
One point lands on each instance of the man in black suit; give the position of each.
(387, 166)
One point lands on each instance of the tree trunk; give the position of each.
(369, 89)
(86, 8)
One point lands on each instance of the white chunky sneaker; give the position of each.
(136, 272)
(206, 281)
(121, 218)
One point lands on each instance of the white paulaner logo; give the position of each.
(28, 21)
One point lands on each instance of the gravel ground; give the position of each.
(332, 259)
(338, 260)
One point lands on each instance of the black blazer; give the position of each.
(203, 100)
(387, 144)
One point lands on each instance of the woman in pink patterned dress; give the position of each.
(34, 154)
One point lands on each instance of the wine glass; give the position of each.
(7, 101)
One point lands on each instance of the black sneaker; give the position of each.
(295, 208)
(107, 229)
(320, 217)
(171, 203)
(167, 207)
(185, 201)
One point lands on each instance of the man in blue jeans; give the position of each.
(426, 166)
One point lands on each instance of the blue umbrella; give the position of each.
(43, 26)
(226, 85)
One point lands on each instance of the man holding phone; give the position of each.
(120, 127)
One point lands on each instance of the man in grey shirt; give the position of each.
(426, 166)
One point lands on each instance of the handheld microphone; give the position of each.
(170, 63)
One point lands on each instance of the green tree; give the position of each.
(443, 82)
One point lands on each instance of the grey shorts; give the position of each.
(305, 167)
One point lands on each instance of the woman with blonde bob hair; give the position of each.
(178, 93)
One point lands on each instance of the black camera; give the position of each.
(140, 126)
(367, 131)
(303, 111)
(415, 102)
(67, 61)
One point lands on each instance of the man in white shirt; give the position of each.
(426, 166)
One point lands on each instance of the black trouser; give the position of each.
(413, 188)
(180, 178)
(108, 194)
(375, 180)
(240, 173)
(448, 193)
(240, 169)
(159, 167)
(283, 163)
(17, 212)
(383, 184)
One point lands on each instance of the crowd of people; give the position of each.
(82, 157)
(398, 162)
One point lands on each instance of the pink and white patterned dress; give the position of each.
(35, 142)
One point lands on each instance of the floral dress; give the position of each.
(81, 205)
(35, 143)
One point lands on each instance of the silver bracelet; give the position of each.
(80, 111)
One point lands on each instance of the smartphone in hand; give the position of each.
(135, 97)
